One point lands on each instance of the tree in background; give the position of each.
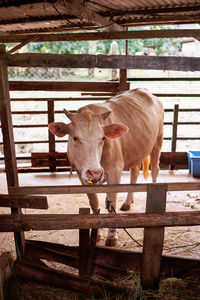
(164, 46)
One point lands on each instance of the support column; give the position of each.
(153, 238)
(52, 141)
(8, 141)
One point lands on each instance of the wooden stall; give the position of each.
(87, 258)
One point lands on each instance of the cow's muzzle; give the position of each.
(94, 175)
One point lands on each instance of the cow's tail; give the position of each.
(145, 167)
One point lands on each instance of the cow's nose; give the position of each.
(95, 174)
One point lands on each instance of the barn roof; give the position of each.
(31, 16)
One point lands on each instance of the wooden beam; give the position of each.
(51, 137)
(174, 131)
(8, 142)
(84, 246)
(174, 158)
(35, 202)
(30, 270)
(125, 259)
(104, 61)
(122, 259)
(153, 238)
(22, 44)
(108, 188)
(64, 86)
(39, 251)
(110, 35)
(29, 222)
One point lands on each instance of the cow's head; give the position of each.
(87, 135)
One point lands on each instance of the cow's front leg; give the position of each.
(112, 237)
(111, 201)
(94, 204)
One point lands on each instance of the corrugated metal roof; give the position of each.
(49, 15)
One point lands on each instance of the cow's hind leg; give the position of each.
(155, 159)
(134, 172)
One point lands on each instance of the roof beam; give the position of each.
(92, 36)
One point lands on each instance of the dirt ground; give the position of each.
(183, 241)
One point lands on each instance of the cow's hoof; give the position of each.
(125, 207)
(111, 242)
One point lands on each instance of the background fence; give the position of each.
(31, 116)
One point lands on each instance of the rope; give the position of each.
(110, 208)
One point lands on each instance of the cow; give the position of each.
(106, 138)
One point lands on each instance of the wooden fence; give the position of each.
(88, 258)
(52, 160)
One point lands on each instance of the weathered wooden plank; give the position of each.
(92, 250)
(51, 137)
(67, 221)
(63, 86)
(46, 155)
(122, 259)
(153, 238)
(37, 251)
(29, 270)
(49, 163)
(47, 159)
(41, 158)
(174, 158)
(174, 131)
(72, 251)
(111, 35)
(8, 141)
(123, 84)
(84, 246)
(163, 79)
(6, 124)
(32, 271)
(107, 188)
(6, 266)
(69, 99)
(36, 202)
(125, 259)
(103, 62)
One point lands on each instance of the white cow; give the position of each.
(117, 135)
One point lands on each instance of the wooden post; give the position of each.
(114, 50)
(174, 131)
(8, 141)
(84, 247)
(52, 143)
(123, 80)
(123, 72)
(92, 252)
(153, 238)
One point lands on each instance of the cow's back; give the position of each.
(143, 114)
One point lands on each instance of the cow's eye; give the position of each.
(103, 139)
(76, 138)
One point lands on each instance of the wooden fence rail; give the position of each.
(52, 141)
(103, 61)
(16, 223)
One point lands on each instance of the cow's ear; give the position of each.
(59, 129)
(114, 131)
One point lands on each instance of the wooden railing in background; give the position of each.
(94, 91)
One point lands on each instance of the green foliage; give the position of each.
(164, 46)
